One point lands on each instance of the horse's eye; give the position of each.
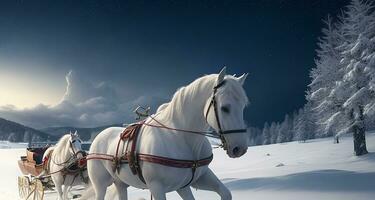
(225, 109)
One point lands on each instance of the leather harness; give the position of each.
(132, 158)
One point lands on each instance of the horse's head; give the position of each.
(224, 113)
(75, 145)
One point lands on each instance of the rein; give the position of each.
(211, 134)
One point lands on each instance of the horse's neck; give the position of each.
(62, 154)
(188, 112)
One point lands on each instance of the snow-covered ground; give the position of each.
(315, 170)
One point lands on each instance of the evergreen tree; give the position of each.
(266, 134)
(341, 93)
(324, 77)
(284, 130)
(358, 24)
(274, 132)
(305, 126)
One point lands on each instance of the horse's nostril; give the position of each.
(236, 150)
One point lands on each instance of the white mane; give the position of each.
(183, 94)
(62, 144)
(205, 83)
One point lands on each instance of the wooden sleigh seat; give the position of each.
(32, 163)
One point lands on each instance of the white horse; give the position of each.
(215, 101)
(60, 157)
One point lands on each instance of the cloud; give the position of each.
(84, 104)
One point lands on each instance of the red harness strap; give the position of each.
(170, 162)
(132, 157)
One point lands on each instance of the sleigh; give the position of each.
(32, 185)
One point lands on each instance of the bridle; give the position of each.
(213, 103)
(73, 157)
(71, 146)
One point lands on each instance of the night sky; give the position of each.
(151, 48)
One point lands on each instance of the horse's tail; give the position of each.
(48, 152)
(45, 165)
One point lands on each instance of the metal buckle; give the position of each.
(195, 165)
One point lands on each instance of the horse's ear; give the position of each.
(242, 78)
(75, 133)
(70, 133)
(222, 74)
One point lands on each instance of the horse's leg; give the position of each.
(99, 177)
(122, 189)
(185, 193)
(58, 185)
(59, 191)
(65, 192)
(209, 181)
(157, 191)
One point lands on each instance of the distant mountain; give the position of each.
(86, 134)
(15, 132)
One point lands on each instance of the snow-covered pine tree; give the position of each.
(324, 77)
(284, 130)
(299, 133)
(256, 137)
(266, 134)
(274, 132)
(310, 123)
(370, 69)
(304, 128)
(357, 64)
(290, 133)
(294, 124)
